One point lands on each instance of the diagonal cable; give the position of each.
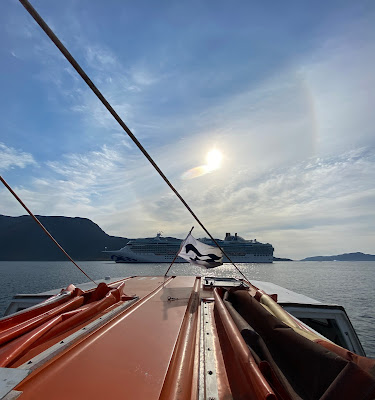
(106, 104)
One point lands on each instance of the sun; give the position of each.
(213, 162)
(213, 159)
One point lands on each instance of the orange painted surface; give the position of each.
(151, 350)
(61, 319)
(140, 285)
(179, 380)
(28, 314)
(128, 357)
(252, 384)
(7, 334)
(93, 308)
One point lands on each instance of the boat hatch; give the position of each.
(224, 282)
(331, 321)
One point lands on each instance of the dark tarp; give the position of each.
(313, 371)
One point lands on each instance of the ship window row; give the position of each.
(238, 252)
(155, 246)
(250, 249)
(245, 254)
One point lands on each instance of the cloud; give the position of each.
(142, 76)
(96, 115)
(99, 57)
(300, 208)
(11, 158)
(314, 195)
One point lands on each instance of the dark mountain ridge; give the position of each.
(21, 239)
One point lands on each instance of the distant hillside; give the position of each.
(21, 239)
(343, 257)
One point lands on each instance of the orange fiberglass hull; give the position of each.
(173, 338)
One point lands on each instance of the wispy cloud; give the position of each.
(143, 77)
(99, 57)
(11, 158)
(315, 194)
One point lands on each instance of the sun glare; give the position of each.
(213, 162)
(213, 159)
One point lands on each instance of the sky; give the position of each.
(281, 94)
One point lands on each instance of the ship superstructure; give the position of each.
(160, 249)
(243, 250)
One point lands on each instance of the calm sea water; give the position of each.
(350, 284)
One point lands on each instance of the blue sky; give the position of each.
(284, 90)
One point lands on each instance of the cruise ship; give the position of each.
(161, 249)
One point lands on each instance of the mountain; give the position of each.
(21, 239)
(343, 257)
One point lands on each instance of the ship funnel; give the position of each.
(227, 234)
